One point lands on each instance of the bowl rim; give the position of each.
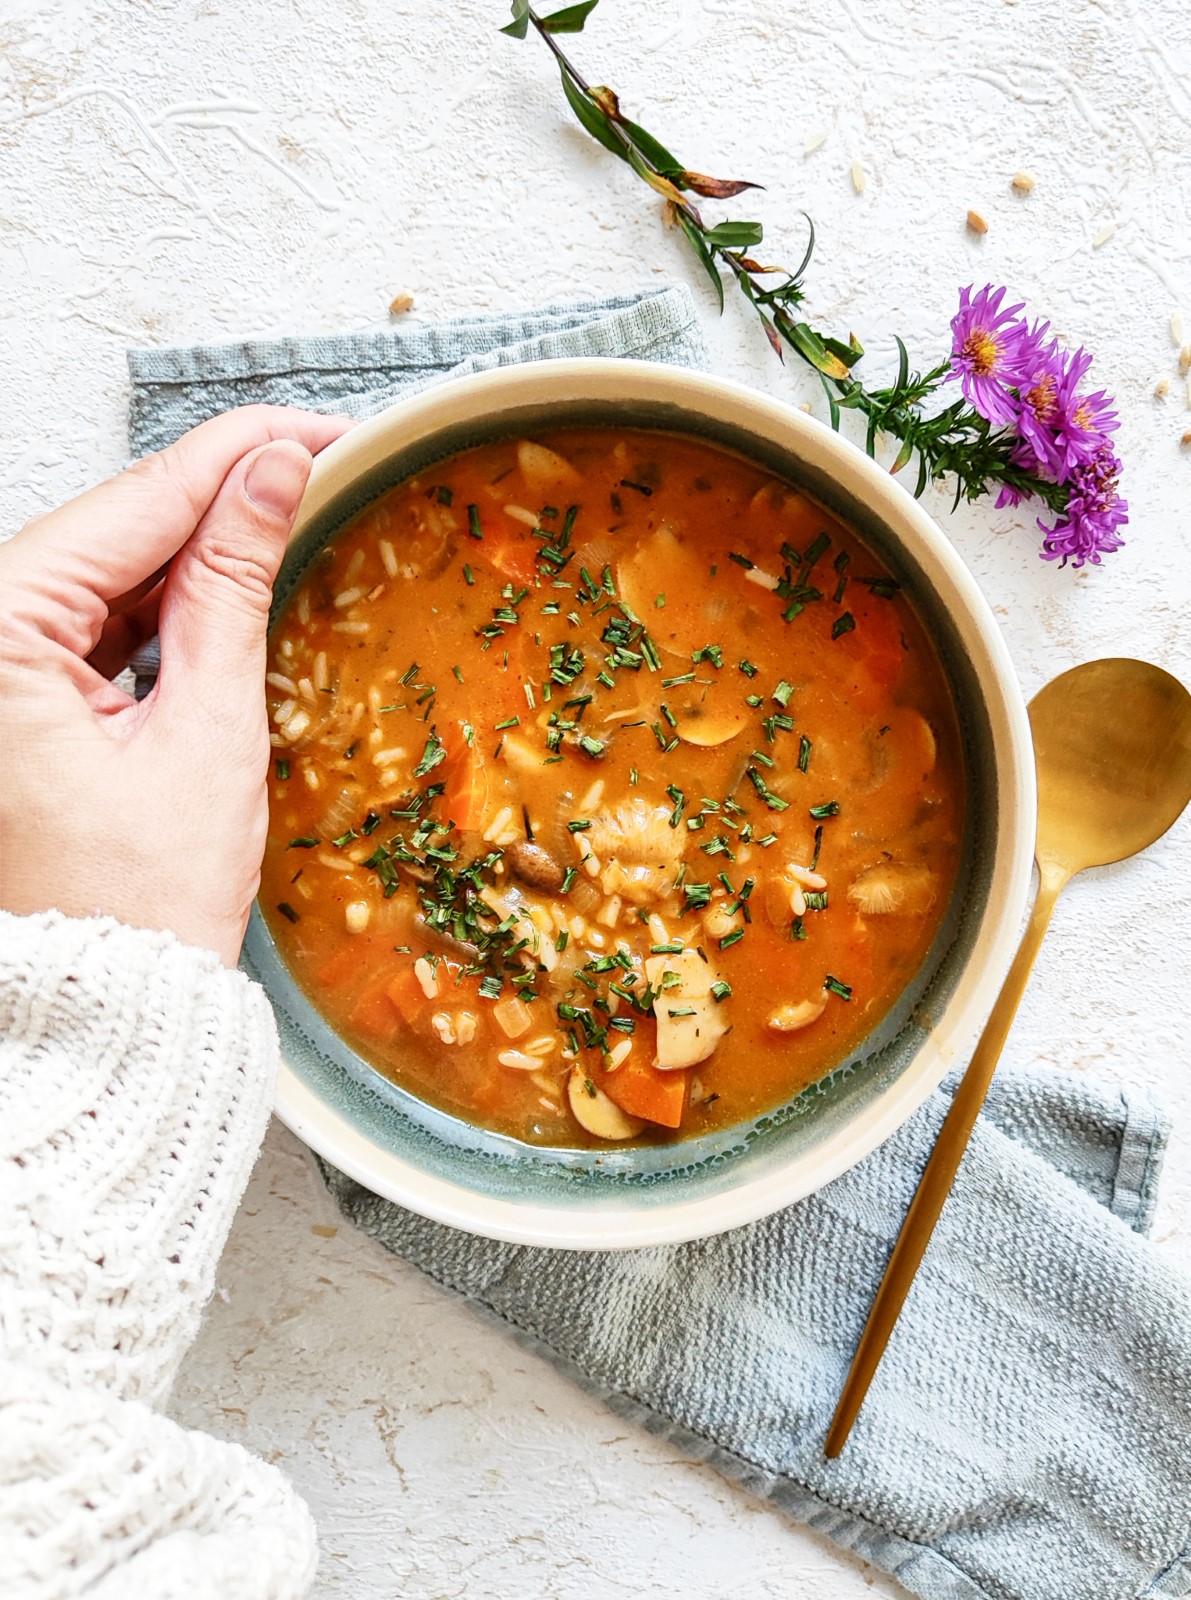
(612, 1225)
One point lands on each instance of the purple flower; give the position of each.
(987, 352)
(1087, 527)
(1038, 413)
(1084, 421)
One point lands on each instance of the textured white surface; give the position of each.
(203, 171)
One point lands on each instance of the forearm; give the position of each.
(135, 1080)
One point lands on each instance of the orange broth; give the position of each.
(617, 792)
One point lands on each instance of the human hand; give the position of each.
(153, 813)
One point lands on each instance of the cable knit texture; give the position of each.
(136, 1076)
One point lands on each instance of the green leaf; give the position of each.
(903, 370)
(811, 347)
(591, 117)
(570, 19)
(652, 149)
(519, 27)
(903, 455)
(735, 235)
(846, 353)
(704, 254)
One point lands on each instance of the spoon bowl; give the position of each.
(1112, 741)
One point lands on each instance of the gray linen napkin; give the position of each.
(1029, 1434)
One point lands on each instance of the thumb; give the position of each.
(215, 604)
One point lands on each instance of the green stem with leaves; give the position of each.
(953, 442)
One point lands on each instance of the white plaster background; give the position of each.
(207, 170)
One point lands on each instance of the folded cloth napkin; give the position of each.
(1028, 1436)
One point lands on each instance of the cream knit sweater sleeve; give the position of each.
(135, 1081)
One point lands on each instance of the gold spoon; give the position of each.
(1112, 742)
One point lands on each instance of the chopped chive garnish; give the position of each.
(370, 823)
(509, 722)
(671, 683)
(444, 495)
(753, 700)
(641, 488)
(345, 838)
(568, 879)
(659, 601)
(883, 588)
(818, 545)
(731, 938)
(773, 801)
(679, 800)
(804, 753)
(458, 674)
(770, 838)
(633, 777)
(282, 771)
(669, 715)
(697, 896)
(759, 755)
(818, 846)
(579, 825)
(306, 842)
(681, 1011)
(741, 561)
(473, 522)
(650, 651)
(709, 652)
(843, 624)
(797, 931)
(491, 985)
(674, 947)
(747, 668)
(591, 747)
(836, 987)
(432, 755)
(408, 676)
(830, 808)
(816, 900)
(287, 911)
(469, 576)
(782, 693)
(721, 990)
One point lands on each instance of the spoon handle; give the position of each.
(939, 1173)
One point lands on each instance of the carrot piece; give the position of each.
(873, 648)
(405, 992)
(466, 795)
(346, 960)
(643, 1090)
(396, 997)
(513, 556)
(375, 1014)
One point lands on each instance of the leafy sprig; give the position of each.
(955, 442)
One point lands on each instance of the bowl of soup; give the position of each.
(651, 806)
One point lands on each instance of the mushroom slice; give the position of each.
(544, 470)
(790, 1018)
(595, 1112)
(893, 889)
(691, 1022)
(709, 720)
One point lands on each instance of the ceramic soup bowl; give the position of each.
(455, 1173)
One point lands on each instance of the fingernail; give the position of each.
(277, 477)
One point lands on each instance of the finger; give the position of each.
(215, 608)
(125, 632)
(112, 538)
